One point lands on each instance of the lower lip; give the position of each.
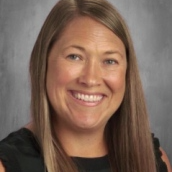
(84, 103)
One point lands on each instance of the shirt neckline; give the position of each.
(95, 163)
(91, 163)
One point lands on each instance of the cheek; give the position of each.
(58, 77)
(116, 81)
(57, 81)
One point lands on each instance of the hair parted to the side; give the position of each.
(127, 132)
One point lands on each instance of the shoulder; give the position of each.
(2, 169)
(20, 150)
(162, 161)
(22, 140)
(166, 160)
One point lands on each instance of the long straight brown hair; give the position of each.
(127, 132)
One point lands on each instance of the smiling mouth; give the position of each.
(88, 97)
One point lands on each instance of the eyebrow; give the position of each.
(77, 47)
(113, 52)
(109, 52)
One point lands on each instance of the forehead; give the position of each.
(85, 30)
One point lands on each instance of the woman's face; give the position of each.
(86, 75)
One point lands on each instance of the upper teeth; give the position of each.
(89, 98)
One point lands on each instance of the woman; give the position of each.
(87, 102)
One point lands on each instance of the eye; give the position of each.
(74, 57)
(110, 62)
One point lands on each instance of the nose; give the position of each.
(91, 74)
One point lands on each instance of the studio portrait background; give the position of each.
(150, 24)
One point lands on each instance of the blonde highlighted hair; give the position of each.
(127, 132)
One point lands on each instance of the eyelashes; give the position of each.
(74, 57)
(110, 62)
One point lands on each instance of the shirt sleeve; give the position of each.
(160, 164)
(8, 159)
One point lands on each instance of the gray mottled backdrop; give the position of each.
(150, 23)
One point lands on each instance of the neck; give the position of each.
(82, 144)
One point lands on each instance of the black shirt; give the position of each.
(19, 152)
